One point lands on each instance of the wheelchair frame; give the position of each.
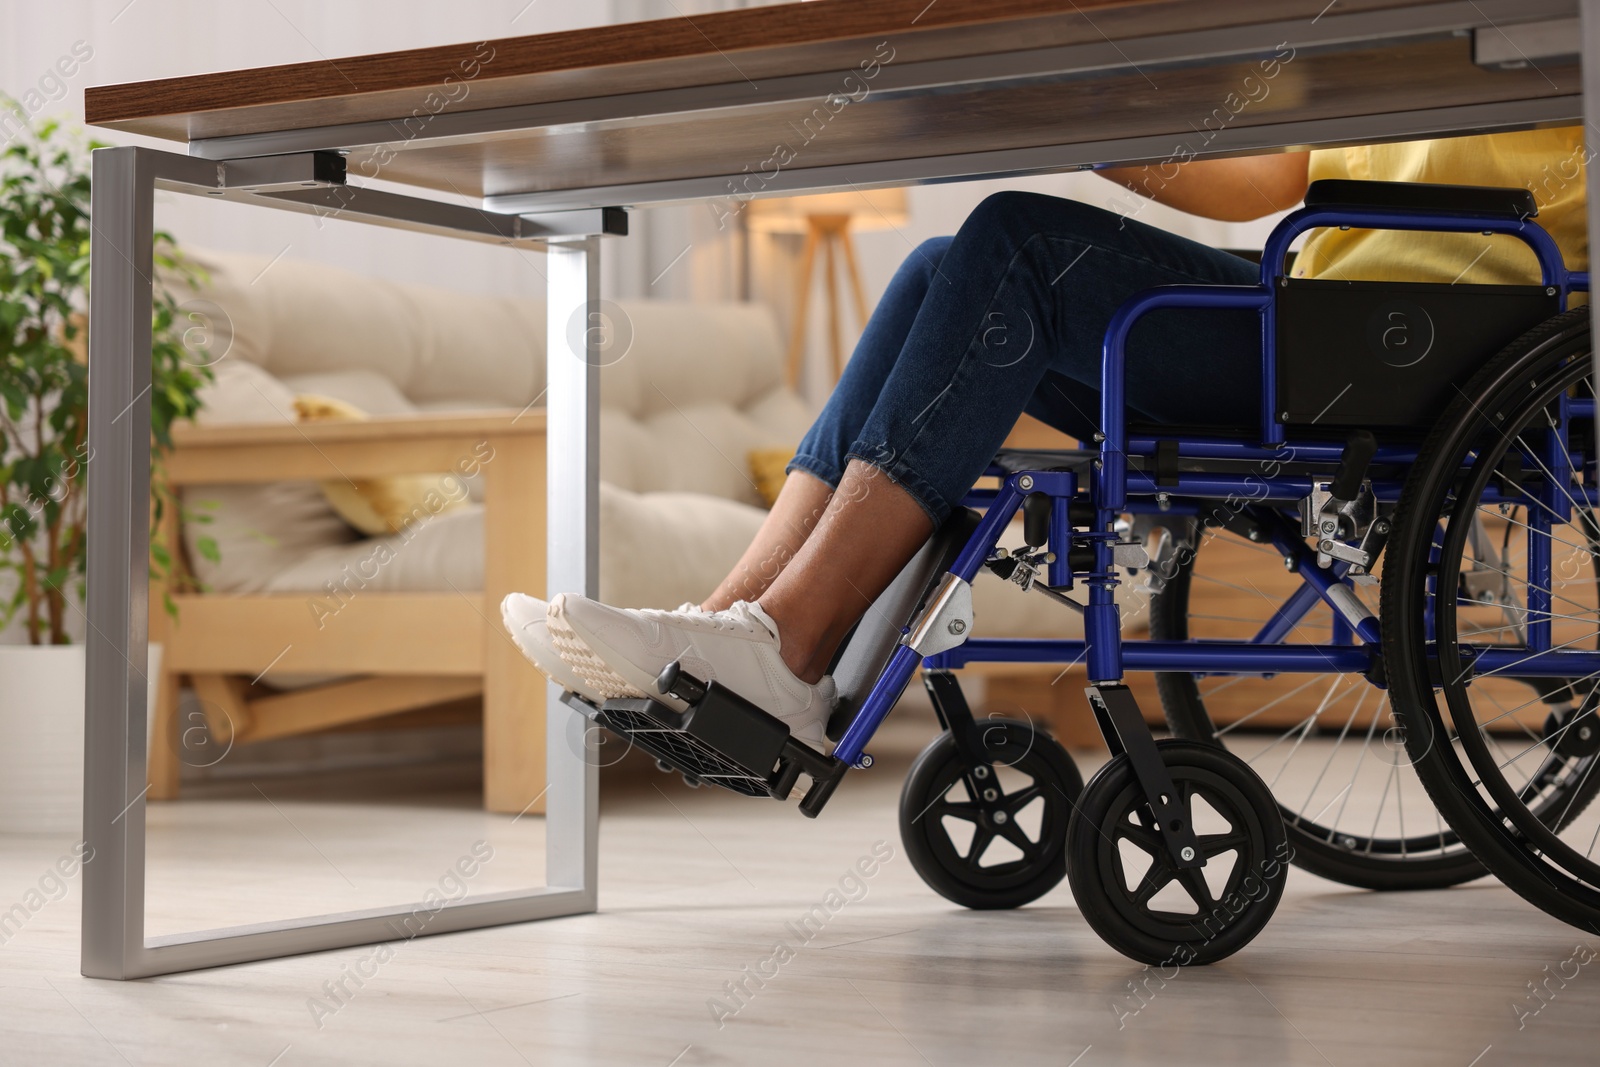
(1071, 502)
(1113, 490)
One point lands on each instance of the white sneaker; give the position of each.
(620, 653)
(526, 620)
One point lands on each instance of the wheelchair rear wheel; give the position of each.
(990, 835)
(1326, 744)
(1494, 555)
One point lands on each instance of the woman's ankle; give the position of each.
(796, 645)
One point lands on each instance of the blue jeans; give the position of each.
(1008, 317)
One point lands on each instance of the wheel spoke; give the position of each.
(1153, 882)
(1557, 482)
(1015, 802)
(1025, 844)
(958, 808)
(1333, 750)
(981, 838)
(1194, 881)
(1217, 844)
(1296, 691)
(1142, 837)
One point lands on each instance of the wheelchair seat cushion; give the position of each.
(1078, 460)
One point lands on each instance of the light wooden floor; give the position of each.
(695, 890)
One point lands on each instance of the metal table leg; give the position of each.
(573, 333)
(117, 560)
(118, 474)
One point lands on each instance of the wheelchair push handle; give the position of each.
(1352, 469)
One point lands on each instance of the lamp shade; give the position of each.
(867, 209)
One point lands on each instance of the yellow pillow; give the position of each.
(378, 506)
(767, 470)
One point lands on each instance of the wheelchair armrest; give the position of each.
(1424, 197)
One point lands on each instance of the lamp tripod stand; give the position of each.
(832, 234)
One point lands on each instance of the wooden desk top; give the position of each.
(843, 93)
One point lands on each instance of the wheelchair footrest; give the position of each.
(721, 739)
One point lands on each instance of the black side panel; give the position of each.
(875, 637)
(1389, 354)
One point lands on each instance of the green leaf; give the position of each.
(44, 276)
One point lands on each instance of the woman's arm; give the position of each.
(1230, 190)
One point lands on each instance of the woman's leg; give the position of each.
(1024, 290)
(868, 531)
(820, 460)
(793, 516)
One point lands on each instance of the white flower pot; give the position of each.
(41, 737)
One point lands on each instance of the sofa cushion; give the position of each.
(661, 549)
(377, 506)
(656, 550)
(434, 555)
(679, 353)
(258, 529)
(468, 348)
(295, 318)
(782, 415)
(767, 469)
(702, 448)
(365, 390)
(241, 392)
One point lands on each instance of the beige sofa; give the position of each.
(698, 388)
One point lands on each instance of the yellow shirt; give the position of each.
(1549, 162)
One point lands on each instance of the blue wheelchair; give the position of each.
(1445, 430)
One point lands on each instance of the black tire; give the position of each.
(957, 870)
(1223, 921)
(1342, 842)
(1527, 834)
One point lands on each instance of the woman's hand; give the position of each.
(1230, 190)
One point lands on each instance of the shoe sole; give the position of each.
(588, 663)
(514, 629)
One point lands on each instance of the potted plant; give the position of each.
(44, 275)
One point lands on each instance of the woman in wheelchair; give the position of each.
(1030, 307)
(1003, 318)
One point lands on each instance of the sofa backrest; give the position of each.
(687, 391)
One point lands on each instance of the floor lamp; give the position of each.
(827, 222)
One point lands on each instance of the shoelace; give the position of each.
(737, 617)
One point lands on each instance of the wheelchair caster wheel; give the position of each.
(1131, 891)
(991, 835)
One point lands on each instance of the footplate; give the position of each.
(720, 739)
